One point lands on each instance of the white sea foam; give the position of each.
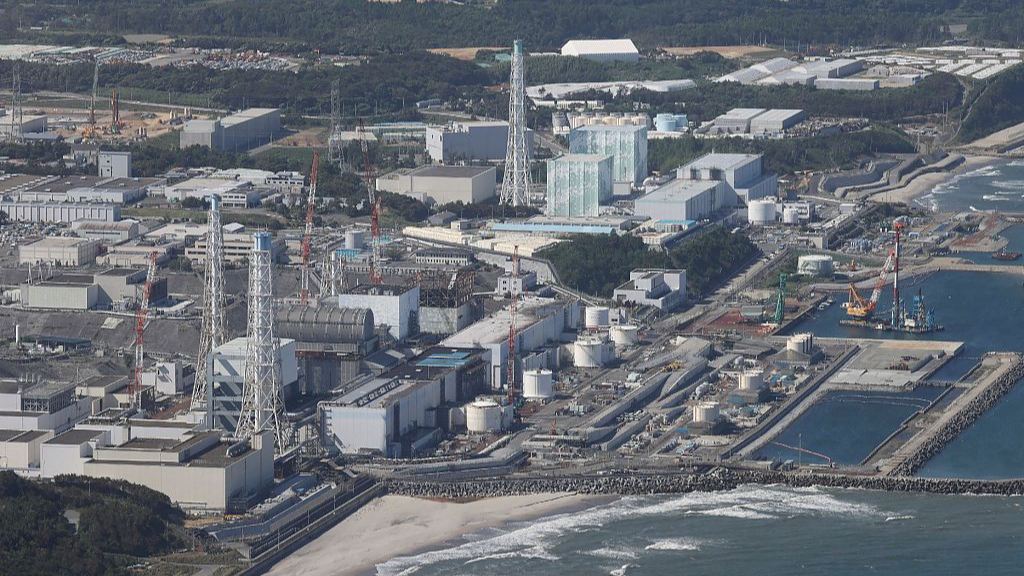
(899, 517)
(614, 552)
(621, 571)
(1009, 184)
(996, 198)
(677, 544)
(534, 539)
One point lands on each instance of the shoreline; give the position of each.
(925, 183)
(405, 525)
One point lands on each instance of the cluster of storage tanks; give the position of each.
(765, 212)
(597, 346)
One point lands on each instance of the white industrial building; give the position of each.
(780, 71)
(60, 212)
(99, 189)
(468, 141)
(756, 121)
(225, 378)
(30, 124)
(442, 184)
(52, 406)
(60, 251)
(396, 307)
(577, 184)
(614, 50)
(680, 200)
(117, 288)
(662, 289)
(742, 174)
(237, 247)
(401, 412)
(866, 84)
(627, 146)
(233, 193)
(114, 164)
(236, 133)
(540, 323)
(106, 232)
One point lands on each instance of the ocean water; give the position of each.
(1015, 243)
(985, 311)
(999, 187)
(762, 530)
(845, 426)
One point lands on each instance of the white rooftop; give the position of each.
(679, 190)
(721, 161)
(616, 46)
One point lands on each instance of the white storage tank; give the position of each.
(791, 216)
(819, 265)
(483, 416)
(591, 352)
(761, 212)
(802, 343)
(354, 239)
(597, 317)
(752, 380)
(538, 384)
(705, 412)
(625, 335)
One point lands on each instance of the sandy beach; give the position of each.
(926, 182)
(400, 525)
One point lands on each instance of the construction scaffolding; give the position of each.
(439, 289)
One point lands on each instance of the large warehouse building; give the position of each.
(236, 133)
(578, 184)
(540, 323)
(741, 173)
(60, 251)
(60, 212)
(684, 200)
(442, 184)
(471, 141)
(615, 50)
(627, 146)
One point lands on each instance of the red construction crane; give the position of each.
(307, 238)
(141, 319)
(513, 313)
(376, 261)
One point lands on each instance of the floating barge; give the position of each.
(888, 327)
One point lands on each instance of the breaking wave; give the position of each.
(997, 198)
(1009, 184)
(536, 539)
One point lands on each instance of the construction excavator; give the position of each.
(864, 309)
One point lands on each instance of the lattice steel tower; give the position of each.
(213, 334)
(16, 111)
(515, 186)
(262, 400)
(335, 141)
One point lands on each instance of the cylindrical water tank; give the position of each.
(801, 343)
(597, 317)
(558, 120)
(705, 412)
(483, 416)
(815, 265)
(354, 239)
(665, 122)
(589, 353)
(625, 335)
(751, 380)
(791, 216)
(538, 384)
(761, 212)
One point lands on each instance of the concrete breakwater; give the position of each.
(962, 420)
(718, 479)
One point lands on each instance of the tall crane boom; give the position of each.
(92, 103)
(141, 319)
(376, 260)
(307, 238)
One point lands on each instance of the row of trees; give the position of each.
(597, 264)
(359, 26)
(838, 151)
